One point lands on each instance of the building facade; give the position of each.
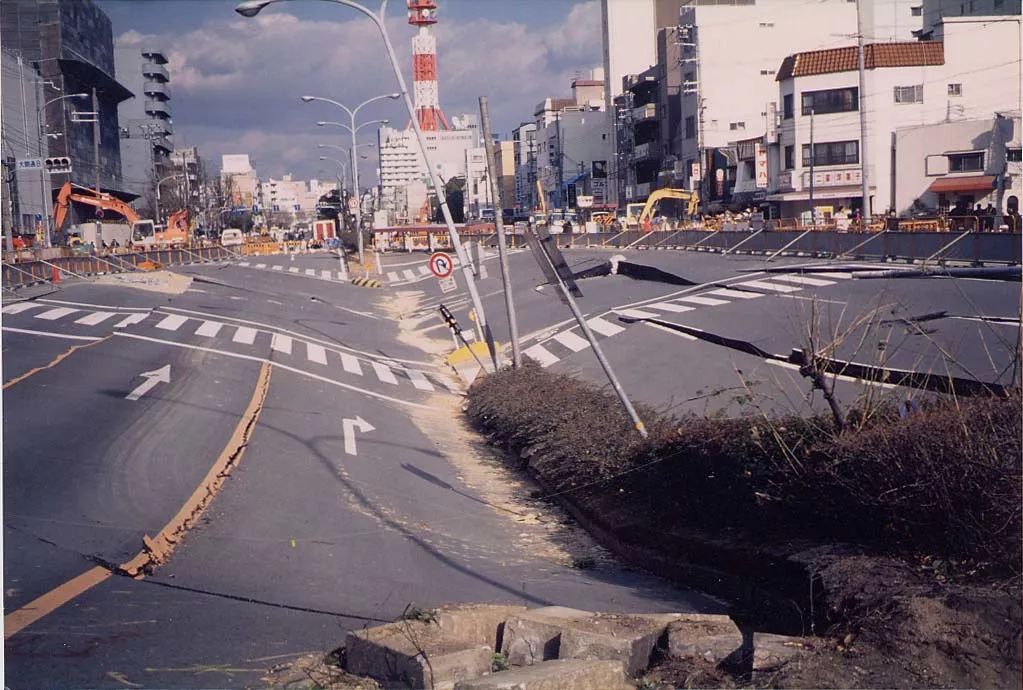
(25, 207)
(145, 120)
(524, 143)
(504, 156)
(239, 180)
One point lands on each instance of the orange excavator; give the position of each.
(144, 232)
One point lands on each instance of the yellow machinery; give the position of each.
(683, 194)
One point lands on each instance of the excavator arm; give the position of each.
(684, 194)
(541, 197)
(87, 196)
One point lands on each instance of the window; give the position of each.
(999, 4)
(691, 127)
(909, 94)
(790, 157)
(830, 101)
(765, 72)
(966, 162)
(689, 77)
(736, 125)
(766, 25)
(917, 11)
(955, 89)
(787, 106)
(1013, 155)
(832, 153)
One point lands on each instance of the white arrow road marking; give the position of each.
(161, 375)
(350, 426)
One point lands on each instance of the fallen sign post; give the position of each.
(443, 267)
(456, 330)
(554, 266)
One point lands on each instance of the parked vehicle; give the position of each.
(231, 237)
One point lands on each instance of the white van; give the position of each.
(231, 237)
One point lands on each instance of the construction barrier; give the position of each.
(366, 282)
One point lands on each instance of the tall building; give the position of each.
(504, 159)
(238, 179)
(146, 119)
(24, 185)
(933, 12)
(524, 141)
(71, 44)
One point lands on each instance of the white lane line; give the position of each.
(50, 335)
(393, 276)
(172, 322)
(54, 314)
(292, 269)
(840, 377)
(764, 285)
(18, 308)
(310, 271)
(325, 274)
(209, 329)
(281, 343)
(277, 365)
(343, 277)
(350, 364)
(316, 353)
(541, 354)
(680, 334)
(424, 270)
(130, 320)
(90, 305)
(384, 373)
(705, 301)
(245, 335)
(95, 318)
(670, 306)
(637, 314)
(419, 380)
(409, 274)
(278, 268)
(803, 280)
(603, 327)
(837, 276)
(243, 263)
(260, 266)
(735, 294)
(572, 341)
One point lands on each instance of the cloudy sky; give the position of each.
(236, 82)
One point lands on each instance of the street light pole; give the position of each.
(47, 212)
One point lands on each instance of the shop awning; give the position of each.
(960, 183)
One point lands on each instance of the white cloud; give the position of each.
(235, 83)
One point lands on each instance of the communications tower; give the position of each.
(423, 13)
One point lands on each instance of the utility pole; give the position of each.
(561, 160)
(865, 187)
(95, 156)
(813, 209)
(488, 142)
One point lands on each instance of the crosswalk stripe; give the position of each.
(209, 329)
(409, 274)
(735, 294)
(350, 364)
(637, 314)
(316, 353)
(260, 266)
(447, 383)
(424, 270)
(310, 271)
(604, 327)
(172, 322)
(18, 308)
(393, 276)
(343, 277)
(572, 341)
(670, 306)
(292, 269)
(281, 343)
(541, 354)
(54, 314)
(803, 280)
(384, 373)
(96, 317)
(278, 268)
(325, 274)
(705, 301)
(419, 380)
(130, 319)
(243, 263)
(245, 335)
(838, 276)
(764, 285)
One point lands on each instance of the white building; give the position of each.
(971, 74)
(961, 163)
(239, 177)
(477, 194)
(934, 12)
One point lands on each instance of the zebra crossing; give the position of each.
(556, 346)
(208, 330)
(332, 276)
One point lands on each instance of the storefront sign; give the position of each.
(833, 178)
(761, 165)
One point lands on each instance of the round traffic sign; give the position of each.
(99, 214)
(441, 264)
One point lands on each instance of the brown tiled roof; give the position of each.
(875, 55)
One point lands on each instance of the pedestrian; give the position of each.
(990, 216)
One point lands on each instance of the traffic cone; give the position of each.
(55, 275)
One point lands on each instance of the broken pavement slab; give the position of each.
(562, 674)
(535, 635)
(710, 637)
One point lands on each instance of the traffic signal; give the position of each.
(450, 320)
(57, 165)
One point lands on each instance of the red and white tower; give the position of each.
(423, 13)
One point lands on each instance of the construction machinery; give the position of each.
(639, 214)
(144, 232)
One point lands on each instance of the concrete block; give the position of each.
(772, 651)
(478, 624)
(561, 674)
(535, 635)
(614, 637)
(414, 654)
(709, 637)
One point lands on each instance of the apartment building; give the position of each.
(145, 121)
(524, 143)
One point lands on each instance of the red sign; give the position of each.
(441, 265)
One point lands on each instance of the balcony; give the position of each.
(644, 112)
(163, 143)
(155, 106)
(156, 71)
(154, 55)
(156, 89)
